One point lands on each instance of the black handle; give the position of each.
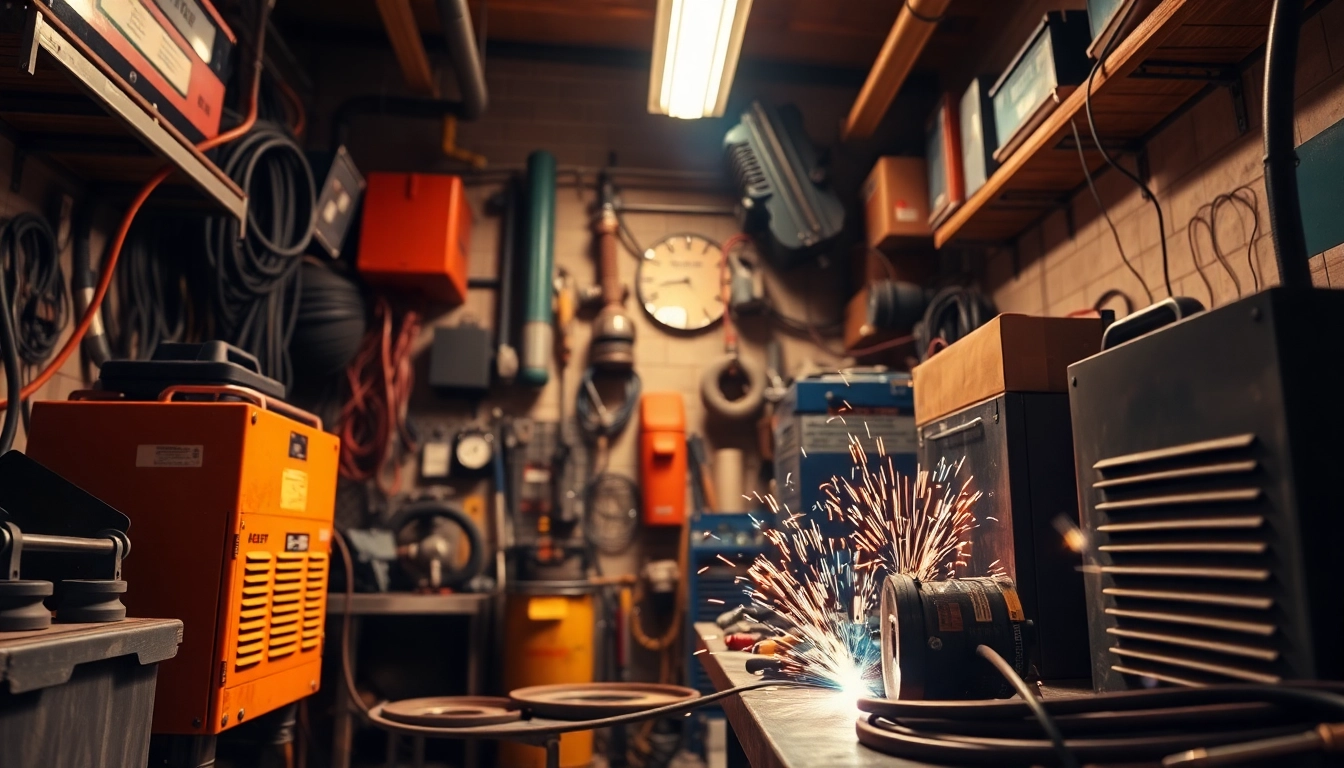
(1149, 319)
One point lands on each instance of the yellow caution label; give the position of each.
(294, 490)
(550, 608)
(1014, 605)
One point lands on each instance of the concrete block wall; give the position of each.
(1193, 160)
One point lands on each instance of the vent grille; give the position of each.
(1183, 543)
(282, 606)
(747, 171)
(314, 601)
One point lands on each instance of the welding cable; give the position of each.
(114, 251)
(1127, 726)
(595, 421)
(373, 417)
(153, 304)
(348, 674)
(952, 313)
(35, 283)
(83, 279)
(1066, 758)
(256, 272)
(14, 402)
(1105, 214)
(1096, 141)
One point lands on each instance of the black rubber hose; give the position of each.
(1285, 209)
(83, 282)
(14, 385)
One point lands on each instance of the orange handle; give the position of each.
(261, 401)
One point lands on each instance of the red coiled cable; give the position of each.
(373, 418)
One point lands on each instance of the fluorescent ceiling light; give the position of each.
(695, 48)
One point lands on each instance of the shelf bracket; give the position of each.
(28, 47)
(1215, 74)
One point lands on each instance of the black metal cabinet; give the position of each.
(1018, 447)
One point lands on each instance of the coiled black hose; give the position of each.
(257, 277)
(35, 284)
(153, 303)
(14, 403)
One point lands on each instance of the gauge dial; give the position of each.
(473, 450)
(680, 282)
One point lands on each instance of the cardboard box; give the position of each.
(1011, 353)
(896, 202)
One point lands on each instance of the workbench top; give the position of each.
(787, 727)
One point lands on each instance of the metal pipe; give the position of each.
(915, 23)
(538, 333)
(1285, 209)
(461, 38)
(41, 542)
(677, 210)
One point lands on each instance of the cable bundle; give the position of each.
(373, 419)
(153, 300)
(35, 286)
(330, 326)
(257, 277)
(953, 313)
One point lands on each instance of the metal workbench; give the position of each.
(474, 606)
(786, 727)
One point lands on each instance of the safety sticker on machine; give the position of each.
(169, 455)
(294, 489)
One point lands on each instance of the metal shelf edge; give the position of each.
(145, 125)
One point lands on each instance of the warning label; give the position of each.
(949, 616)
(833, 434)
(1015, 612)
(169, 455)
(979, 601)
(294, 489)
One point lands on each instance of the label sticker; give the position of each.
(949, 616)
(979, 602)
(298, 446)
(1015, 612)
(294, 489)
(139, 26)
(906, 214)
(169, 455)
(192, 22)
(296, 542)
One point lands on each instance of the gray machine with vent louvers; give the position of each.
(1208, 488)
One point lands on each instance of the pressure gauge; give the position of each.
(680, 282)
(473, 449)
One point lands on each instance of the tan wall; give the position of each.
(1193, 160)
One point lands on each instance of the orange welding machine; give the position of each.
(231, 494)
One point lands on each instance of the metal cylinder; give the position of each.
(538, 335)
(729, 474)
(548, 639)
(930, 632)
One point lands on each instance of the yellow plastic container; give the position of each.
(548, 639)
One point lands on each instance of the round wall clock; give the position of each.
(680, 282)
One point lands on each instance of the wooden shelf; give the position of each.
(1178, 50)
(59, 101)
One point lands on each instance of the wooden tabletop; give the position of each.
(787, 727)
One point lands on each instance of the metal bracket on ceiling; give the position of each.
(1215, 74)
(28, 46)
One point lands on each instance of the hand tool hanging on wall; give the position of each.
(613, 333)
(506, 357)
(540, 238)
(730, 366)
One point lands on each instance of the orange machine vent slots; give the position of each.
(253, 609)
(287, 603)
(314, 597)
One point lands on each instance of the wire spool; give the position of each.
(930, 631)
(895, 305)
(35, 284)
(88, 601)
(951, 314)
(331, 322)
(612, 505)
(452, 711)
(718, 402)
(430, 558)
(581, 701)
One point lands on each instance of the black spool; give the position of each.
(930, 631)
(894, 305)
(21, 608)
(91, 601)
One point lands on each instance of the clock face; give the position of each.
(680, 282)
(473, 450)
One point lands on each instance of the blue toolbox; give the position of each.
(814, 426)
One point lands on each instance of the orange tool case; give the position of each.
(231, 504)
(416, 233)
(662, 457)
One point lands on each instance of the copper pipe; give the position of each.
(914, 26)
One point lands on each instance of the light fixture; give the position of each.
(695, 48)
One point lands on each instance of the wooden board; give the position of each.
(1125, 107)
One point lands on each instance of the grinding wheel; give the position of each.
(581, 701)
(452, 711)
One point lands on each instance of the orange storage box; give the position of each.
(662, 457)
(416, 234)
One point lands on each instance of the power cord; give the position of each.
(595, 420)
(1115, 233)
(373, 418)
(13, 383)
(1096, 139)
(35, 284)
(1047, 722)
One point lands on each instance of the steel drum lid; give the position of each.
(452, 711)
(581, 701)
